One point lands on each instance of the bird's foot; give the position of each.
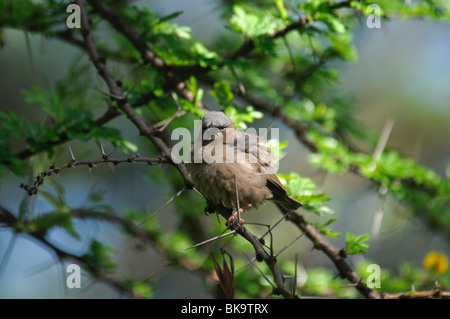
(234, 218)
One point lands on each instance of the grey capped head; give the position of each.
(215, 119)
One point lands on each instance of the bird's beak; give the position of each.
(210, 133)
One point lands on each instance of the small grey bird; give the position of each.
(227, 157)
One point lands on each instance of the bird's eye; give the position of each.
(222, 128)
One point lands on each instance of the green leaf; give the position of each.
(329, 232)
(241, 116)
(222, 93)
(355, 244)
(171, 16)
(204, 56)
(98, 257)
(140, 288)
(254, 24)
(328, 222)
(303, 189)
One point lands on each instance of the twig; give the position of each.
(249, 45)
(294, 284)
(212, 239)
(180, 112)
(238, 209)
(385, 133)
(32, 190)
(298, 127)
(335, 255)
(436, 293)
(174, 80)
(163, 206)
(11, 221)
(261, 253)
(251, 261)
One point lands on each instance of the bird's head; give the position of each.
(215, 124)
(217, 120)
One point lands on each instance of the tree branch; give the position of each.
(8, 219)
(171, 74)
(436, 293)
(261, 253)
(121, 100)
(335, 255)
(117, 22)
(32, 190)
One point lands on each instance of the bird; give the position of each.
(234, 169)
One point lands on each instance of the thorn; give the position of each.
(262, 273)
(198, 192)
(71, 153)
(103, 152)
(382, 141)
(175, 98)
(294, 284)
(272, 227)
(237, 200)
(212, 239)
(240, 84)
(163, 206)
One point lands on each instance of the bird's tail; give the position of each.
(288, 203)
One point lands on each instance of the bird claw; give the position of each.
(233, 219)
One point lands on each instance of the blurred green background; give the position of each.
(403, 71)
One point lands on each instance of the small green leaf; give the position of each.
(329, 232)
(222, 93)
(241, 116)
(98, 257)
(355, 244)
(171, 16)
(328, 222)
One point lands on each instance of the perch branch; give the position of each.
(335, 255)
(32, 190)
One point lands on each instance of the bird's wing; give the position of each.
(253, 146)
(279, 193)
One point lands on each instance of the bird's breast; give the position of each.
(217, 182)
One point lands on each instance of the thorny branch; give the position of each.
(175, 81)
(150, 131)
(427, 294)
(32, 190)
(122, 102)
(9, 220)
(335, 255)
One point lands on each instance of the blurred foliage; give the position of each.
(288, 69)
